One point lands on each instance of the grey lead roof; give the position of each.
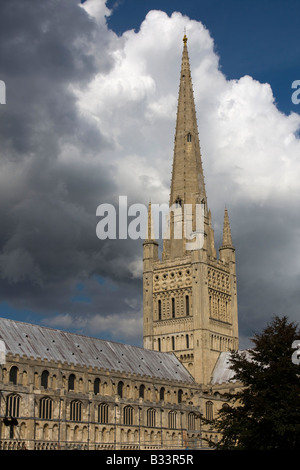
(51, 344)
(222, 372)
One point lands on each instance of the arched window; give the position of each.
(180, 393)
(187, 305)
(120, 389)
(159, 309)
(13, 375)
(96, 386)
(45, 408)
(12, 406)
(151, 415)
(128, 415)
(75, 410)
(173, 343)
(44, 379)
(159, 344)
(142, 391)
(209, 411)
(189, 137)
(162, 393)
(178, 202)
(71, 382)
(103, 413)
(187, 339)
(173, 307)
(191, 421)
(172, 419)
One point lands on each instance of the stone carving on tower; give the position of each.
(189, 295)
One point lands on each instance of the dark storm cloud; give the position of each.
(52, 176)
(265, 238)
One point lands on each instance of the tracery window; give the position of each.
(75, 410)
(45, 408)
(103, 413)
(172, 419)
(151, 417)
(192, 421)
(12, 405)
(128, 415)
(209, 410)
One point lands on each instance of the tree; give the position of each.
(264, 414)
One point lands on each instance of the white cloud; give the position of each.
(246, 141)
(126, 326)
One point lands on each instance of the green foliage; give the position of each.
(265, 413)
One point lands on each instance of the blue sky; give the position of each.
(90, 115)
(259, 37)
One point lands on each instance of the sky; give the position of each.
(91, 93)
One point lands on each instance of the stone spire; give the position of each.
(187, 186)
(187, 183)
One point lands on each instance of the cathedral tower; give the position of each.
(190, 297)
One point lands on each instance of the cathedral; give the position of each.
(62, 390)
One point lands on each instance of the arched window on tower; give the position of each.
(159, 309)
(187, 339)
(178, 202)
(173, 307)
(189, 137)
(187, 305)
